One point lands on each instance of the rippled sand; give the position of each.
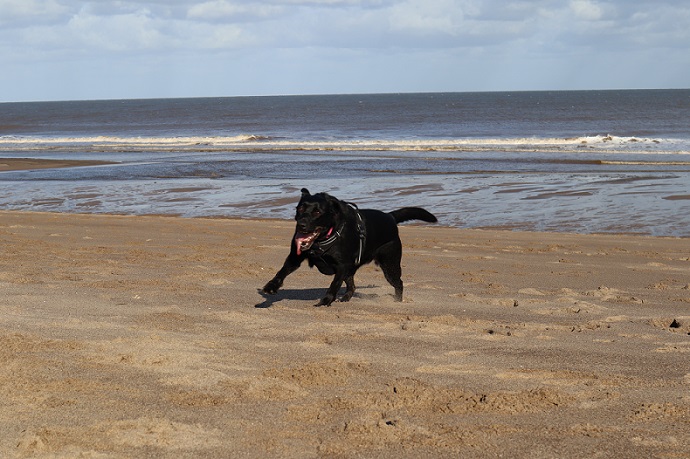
(139, 337)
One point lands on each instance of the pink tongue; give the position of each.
(304, 241)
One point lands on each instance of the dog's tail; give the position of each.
(413, 213)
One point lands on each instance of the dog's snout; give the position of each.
(302, 224)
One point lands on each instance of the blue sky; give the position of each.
(67, 50)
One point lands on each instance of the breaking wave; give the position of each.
(253, 142)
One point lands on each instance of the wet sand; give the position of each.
(139, 337)
(20, 164)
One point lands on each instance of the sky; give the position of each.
(103, 49)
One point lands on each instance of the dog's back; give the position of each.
(382, 227)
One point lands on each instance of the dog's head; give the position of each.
(318, 215)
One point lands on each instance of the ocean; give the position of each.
(570, 161)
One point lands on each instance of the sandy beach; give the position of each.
(140, 337)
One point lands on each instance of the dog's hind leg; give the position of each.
(393, 273)
(389, 258)
(350, 285)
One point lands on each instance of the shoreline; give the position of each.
(411, 224)
(138, 336)
(587, 203)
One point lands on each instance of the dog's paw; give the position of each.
(345, 298)
(269, 291)
(325, 301)
(271, 288)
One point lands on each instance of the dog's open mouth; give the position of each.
(304, 241)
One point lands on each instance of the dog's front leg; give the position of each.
(292, 262)
(332, 290)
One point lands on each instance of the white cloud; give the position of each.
(120, 32)
(218, 10)
(134, 25)
(426, 16)
(17, 13)
(587, 10)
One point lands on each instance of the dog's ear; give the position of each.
(337, 206)
(305, 192)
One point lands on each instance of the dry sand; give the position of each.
(139, 337)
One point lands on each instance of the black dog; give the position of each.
(338, 238)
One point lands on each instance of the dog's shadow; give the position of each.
(305, 294)
(290, 294)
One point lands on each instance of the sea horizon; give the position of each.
(183, 97)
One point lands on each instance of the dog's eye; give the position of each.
(316, 213)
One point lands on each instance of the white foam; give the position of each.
(599, 143)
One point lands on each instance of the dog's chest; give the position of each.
(321, 264)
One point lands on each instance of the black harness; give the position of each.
(319, 248)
